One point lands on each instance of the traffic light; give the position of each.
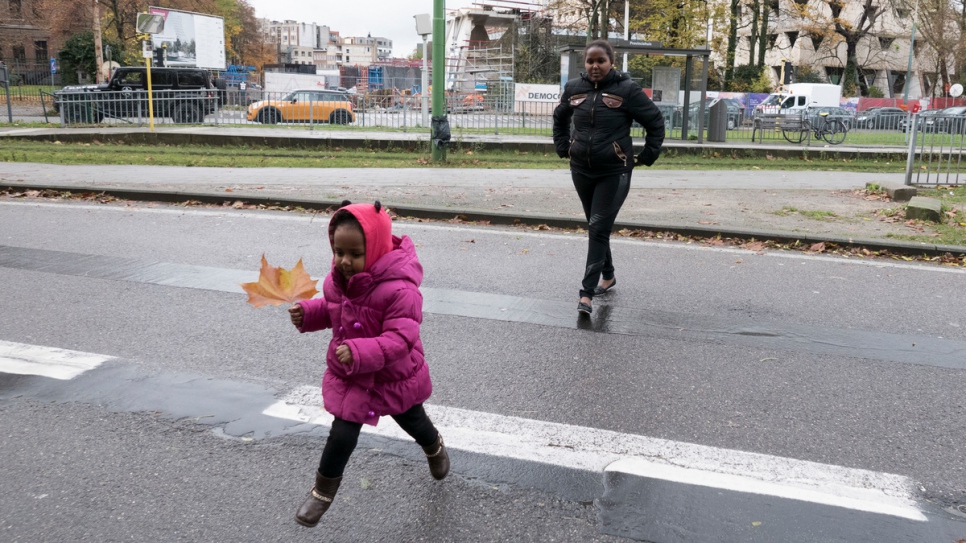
(160, 56)
(787, 70)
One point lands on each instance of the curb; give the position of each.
(498, 218)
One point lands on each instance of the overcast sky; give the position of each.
(392, 19)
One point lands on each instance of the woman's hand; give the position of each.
(297, 314)
(344, 354)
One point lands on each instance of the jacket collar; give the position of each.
(612, 77)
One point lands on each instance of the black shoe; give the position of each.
(598, 290)
(586, 309)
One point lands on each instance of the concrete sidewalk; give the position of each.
(764, 204)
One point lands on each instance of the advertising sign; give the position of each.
(535, 99)
(191, 39)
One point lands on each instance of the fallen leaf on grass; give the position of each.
(277, 286)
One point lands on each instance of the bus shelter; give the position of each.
(572, 64)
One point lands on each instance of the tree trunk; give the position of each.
(753, 38)
(732, 44)
(763, 34)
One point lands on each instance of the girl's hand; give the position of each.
(296, 313)
(344, 354)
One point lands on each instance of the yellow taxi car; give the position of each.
(302, 106)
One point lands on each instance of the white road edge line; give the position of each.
(63, 364)
(591, 449)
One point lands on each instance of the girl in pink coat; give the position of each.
(374, 364)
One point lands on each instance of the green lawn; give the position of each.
(14, 150)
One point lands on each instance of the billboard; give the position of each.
(191, 39)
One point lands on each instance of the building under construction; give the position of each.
(494, 43)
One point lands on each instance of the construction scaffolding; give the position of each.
(481, 48)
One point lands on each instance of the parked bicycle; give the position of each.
(832, 131)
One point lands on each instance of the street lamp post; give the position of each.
(424, 27)
(912, 45)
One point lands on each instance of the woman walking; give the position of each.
(603, 103)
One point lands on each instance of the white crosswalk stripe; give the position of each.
(23, 359)
(592, 449)
(574, 447)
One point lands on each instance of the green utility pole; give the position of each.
(439, 76)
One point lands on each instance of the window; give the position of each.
(40, 51)
(885, 43)
(19, 53)
(902, 13)
(816, 41)
(792, 38)
(772, 38)
(16, 9)
(834, 74)
(192, 79)
(130, 79)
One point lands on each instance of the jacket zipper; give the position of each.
(593, 128)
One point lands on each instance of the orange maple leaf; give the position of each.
(277, 286)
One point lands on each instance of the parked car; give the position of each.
(834, 113)
(185, 95)
(880, 118)
(304, 105)
(926, 121)
(952, 120)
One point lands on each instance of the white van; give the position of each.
(794, 98)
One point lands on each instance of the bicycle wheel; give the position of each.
(834, 131)
(795, 135)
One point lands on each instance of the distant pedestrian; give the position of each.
(374, 362)
(603, 103)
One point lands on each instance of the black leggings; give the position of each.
(344, 435)
(602, 196)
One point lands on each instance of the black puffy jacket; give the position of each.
(602, 114)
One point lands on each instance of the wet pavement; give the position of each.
(734, 366)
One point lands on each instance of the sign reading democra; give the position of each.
(536, 99)
(526, 92)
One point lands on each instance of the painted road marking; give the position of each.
(63, 364)
(592, 449)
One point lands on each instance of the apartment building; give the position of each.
(365, 51)
(23, 40)
(883, 54)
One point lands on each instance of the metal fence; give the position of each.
(469, 113)
(936, 148)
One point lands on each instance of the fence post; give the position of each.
(913, 129)
(5, 80)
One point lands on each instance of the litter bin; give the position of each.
(718, 121)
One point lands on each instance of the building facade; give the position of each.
(882, 55)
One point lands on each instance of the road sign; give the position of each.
(53, 65)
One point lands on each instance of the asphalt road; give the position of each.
(838, 362)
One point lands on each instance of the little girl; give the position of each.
(375, 363)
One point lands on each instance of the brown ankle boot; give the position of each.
(438, 458)
(318, 501)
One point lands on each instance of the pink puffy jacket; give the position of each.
(377, 314)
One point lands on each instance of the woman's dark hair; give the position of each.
(603, 44)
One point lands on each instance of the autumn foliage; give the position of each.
(277, 286)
